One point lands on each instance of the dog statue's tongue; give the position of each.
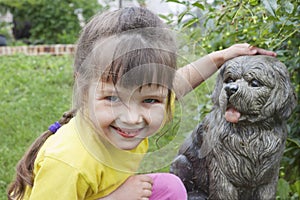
(232, 115)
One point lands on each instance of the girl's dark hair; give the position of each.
(24, 176)
(132, 43)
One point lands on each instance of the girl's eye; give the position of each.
(112, 98)
(151, 101)
(255, 83)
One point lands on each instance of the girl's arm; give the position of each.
(192, 75)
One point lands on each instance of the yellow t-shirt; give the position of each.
(75, 164)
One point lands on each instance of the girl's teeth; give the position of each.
(126, 132)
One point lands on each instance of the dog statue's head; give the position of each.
(252, 89)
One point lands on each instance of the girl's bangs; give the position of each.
(136, 58)
(143, 66)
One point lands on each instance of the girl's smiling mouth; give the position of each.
(127, 133)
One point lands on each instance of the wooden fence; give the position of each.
(57, 49)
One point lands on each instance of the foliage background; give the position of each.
(29, 104)
(45, 22)
(269, 24)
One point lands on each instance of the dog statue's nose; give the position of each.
(231, 89)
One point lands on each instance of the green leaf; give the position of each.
(289, 7)
(253, 2)
(164, 17)
(175, 1)
(181, 15)
(295, 141)
(296, 187)
(283, 189)
(190, 22)
(199, 5)
(271, 6)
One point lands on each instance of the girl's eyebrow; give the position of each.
(105, 88)
(110, 90)
(159, 92)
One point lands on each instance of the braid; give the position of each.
(25, 166)
(67, 116)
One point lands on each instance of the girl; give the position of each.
(124, 73)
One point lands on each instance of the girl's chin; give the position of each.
(127, 145)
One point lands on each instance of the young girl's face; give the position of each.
(125, 116)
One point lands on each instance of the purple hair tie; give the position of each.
(54, 127)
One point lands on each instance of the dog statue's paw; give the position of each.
(182, 167)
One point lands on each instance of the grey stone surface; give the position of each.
(235, 152)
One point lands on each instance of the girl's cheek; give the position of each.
(100, 113)
(157, 116)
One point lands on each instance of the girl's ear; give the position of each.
(282, 100)
(172, 105)
(170, 110)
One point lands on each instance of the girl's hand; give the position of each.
(137, 187)
(244, 49)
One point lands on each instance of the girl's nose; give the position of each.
(132, 115)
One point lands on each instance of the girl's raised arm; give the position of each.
(192, 75)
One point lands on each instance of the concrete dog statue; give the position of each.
(235, 152)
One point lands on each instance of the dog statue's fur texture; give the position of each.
(235, 152)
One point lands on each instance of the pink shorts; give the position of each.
(167, 187)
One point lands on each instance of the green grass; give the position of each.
(36, 90)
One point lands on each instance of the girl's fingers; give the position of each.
(256, 50)
(265, 52)
(147, 185)
(147, 193)
(145, 178)
(252, 50)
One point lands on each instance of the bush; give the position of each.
(49, 22)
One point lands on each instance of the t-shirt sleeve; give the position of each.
(57, 180)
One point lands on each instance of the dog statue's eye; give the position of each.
(255, 83)
(229, 80)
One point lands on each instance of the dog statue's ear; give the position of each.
(218, 86)
(282, 100)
